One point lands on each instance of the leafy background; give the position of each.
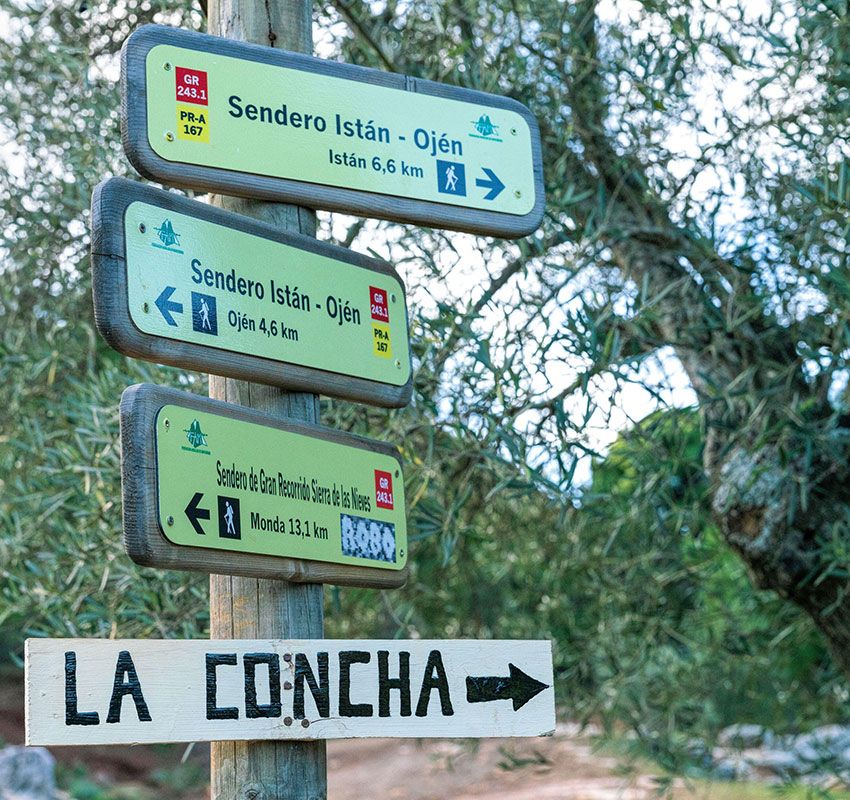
(585, 519)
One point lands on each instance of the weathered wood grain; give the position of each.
(89, 691)
(400, 209)
(257, 607)
(143, 537)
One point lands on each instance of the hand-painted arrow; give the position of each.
(167, 307)
(518, 687)
(492, 183)
(194, 513)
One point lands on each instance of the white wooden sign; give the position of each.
(92, 691)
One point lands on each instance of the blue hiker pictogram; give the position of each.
(451, 178)
(204, 319)
(229, 526)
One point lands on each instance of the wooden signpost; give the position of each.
(183, 283)
(269, 502)
(209, 113)
(219, 488)
(89, 691)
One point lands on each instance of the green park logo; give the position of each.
(485, 129)
(197, 438)
(168, 238)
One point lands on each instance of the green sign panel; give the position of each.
(183, 283)
(310, 127)
(260, 122)
(196, 281)
(229, 484)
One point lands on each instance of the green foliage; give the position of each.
(670, 636)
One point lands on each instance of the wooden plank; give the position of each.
(281, 308)
(257, 608)
(218, 115)
(89, 691)
(306, 503)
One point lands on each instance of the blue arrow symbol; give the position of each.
(166, 306)
(492, 183)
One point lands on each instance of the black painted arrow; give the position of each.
(518, 687)
(194, 513)
(167, 306)
(492, 184)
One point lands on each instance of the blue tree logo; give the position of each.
(485, 129)
(197, 438)
(168, 236)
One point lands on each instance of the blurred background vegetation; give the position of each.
(555, 447)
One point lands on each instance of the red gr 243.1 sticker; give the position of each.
(383, 489)
(378, 304)
(192, 86)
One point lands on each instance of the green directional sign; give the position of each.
(253, 120)
(222, 478)
(180, 282)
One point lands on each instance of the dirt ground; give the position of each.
(562, 767)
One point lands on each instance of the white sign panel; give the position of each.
(91, 691)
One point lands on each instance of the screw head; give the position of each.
(287, 656)
(170, 520)
(514, 131)
(146, 308)
(142, 227)
(169, 136)
(393, 298)
(287, 721)
(305, 723)
(517, 194)
(167, 66)
(167, 424)
(398, 364)
(397, 473)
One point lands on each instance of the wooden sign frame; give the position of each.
(134, 127)
(110, 201)
(144, 540)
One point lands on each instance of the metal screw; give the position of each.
(396, 473)
(287, 685)
(517, 193)
(170, 520)
(305, 723)
(398, 364)
(145, 307)
(287, 720)
(142, 227)
(287, 656)
(401, 552)
(167, 66)
(513, 131)
(393, 298)
(167, 424)
(169, 136)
